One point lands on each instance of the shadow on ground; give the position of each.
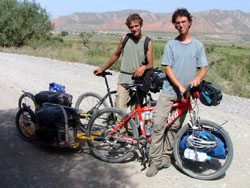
(32, 165)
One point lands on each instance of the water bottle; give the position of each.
(197, 156)
(148, 122)
(143, 116)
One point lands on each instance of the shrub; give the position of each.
(56, 39)
(22, 22)
(64, 33)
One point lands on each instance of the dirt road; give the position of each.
(30, 165)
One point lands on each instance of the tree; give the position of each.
(22, 22)
(85, 36)
(64, 33)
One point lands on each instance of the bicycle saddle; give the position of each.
(104, 73)
(129, 86)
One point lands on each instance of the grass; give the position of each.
(229, 63)
(229, 69)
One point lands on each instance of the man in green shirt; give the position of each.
(133, 60)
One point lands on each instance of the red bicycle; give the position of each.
(203, 149)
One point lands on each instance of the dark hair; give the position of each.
(181, 12)
(133, 17)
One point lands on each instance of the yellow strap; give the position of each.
(85, 138)
(26, 129)
(81, 136)
(76, 146)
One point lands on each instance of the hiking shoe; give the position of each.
(166, 163)
(152, 170)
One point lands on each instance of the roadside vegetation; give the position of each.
(30, 33)
(22, 23)
(229, 64)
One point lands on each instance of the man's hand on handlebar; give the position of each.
(191, 92)
(98, 71)
(195, 82)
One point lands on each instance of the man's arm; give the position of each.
(140, 70)
(197, 80)
(113, 58)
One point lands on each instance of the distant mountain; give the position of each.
(212, 21)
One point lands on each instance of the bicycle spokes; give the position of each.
(204, 152)
(111, 146)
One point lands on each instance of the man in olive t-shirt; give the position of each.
(132, 61)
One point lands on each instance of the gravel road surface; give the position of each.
(31, 165)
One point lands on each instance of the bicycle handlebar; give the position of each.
(186, 91)
(194, 91)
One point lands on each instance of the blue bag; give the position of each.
(56, 87)
(218, 152)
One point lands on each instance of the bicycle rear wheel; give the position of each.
(118, 147)
(24, 125)
(89, 103)
(208, 141)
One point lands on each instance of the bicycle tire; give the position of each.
(107, 149)
(88, 95)
(209, 169)
(87, 103)
(28, 99)
(24, 125)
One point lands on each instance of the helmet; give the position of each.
(201, 140)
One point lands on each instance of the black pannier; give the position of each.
(53, 97)
(157, 78)
(210, 95)
(151, 80)
(54, 122)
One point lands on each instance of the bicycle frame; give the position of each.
(180, 107)
(102, 99)
(109, 93)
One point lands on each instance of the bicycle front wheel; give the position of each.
(205, 152)
(24, 125)
(118, 147)
(89, 103)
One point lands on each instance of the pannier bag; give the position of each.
(219, 151)
(156, 80)
(52, 120)
(56, 87)
(210, 95)
(151, 80)
(53, 97)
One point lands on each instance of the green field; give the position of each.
(229, 60)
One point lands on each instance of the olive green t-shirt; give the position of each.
(133, 57)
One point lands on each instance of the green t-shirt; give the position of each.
(133, 57)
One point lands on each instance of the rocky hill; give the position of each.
(212, 21)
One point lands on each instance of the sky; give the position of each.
(56, 8)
